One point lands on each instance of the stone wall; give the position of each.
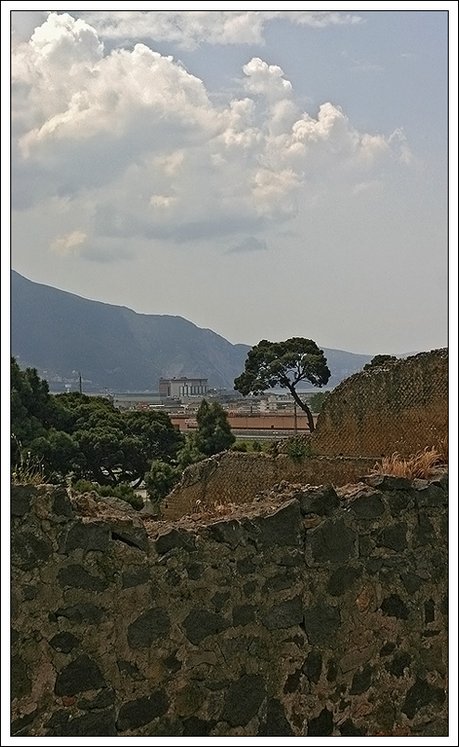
(401, 407)
(312, 613)
(235, 477)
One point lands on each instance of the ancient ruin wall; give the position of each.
(234, 477)
(312, 613)
(400, 407)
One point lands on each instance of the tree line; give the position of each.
(88, 439)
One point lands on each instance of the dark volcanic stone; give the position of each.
(219, 599)
(322, 726)
(398, 664)
(141, 711)
(246, 565)
(197, 727)
(367, 506)
(349, 729)
(388, 482)
(387, 649)
(312, 666)
(292, 683)
(64, 642)
(321, 500)
(243, 614)
(201, 623)
(429, 611)
(135, 577)
(395, 607)
(78, 577)
(174, 539)
(430, 495)
(321, 622)
(421, 694)
(424, 532)
(20, 680)
(104, 699)
(19, 725)
(62, 505)
(101, 724)
(127, 667)
(28, 550)
(342, 579)
(277, 724)
(284, 614)
(80, 675)
(393, 537)
(361, 681)
(88, 614)
(148, 627)
(282, 527)
(276, 583)
(89, 536)
(411, 582)
(172, 663)
(134, 536)
(249, 588)
(195, 571)
(228, 532)
(332, 670)
(243, 699)
(30, 592)
(332, 542)
(21, 499)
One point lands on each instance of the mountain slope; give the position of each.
(118, 349)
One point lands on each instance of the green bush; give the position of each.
(256, 446)
(239, 447)
(297, 449)
(123, 491)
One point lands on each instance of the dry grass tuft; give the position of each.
(29, 471)
(420, 465)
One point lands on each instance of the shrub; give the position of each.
(124, 491)
(239, 447)
(297, 448)
(256, 446)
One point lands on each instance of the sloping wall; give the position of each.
(401, 407)
(234, 477)
(309, 614)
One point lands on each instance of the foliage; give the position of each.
(189, 452)
(284, 364)
(379, 361)
(317, 401)
(421, 465)
(297, 448)
(256, 446)
(239, 447)
(123, 491)
(85, 436)
(161, 479)
(214, 433)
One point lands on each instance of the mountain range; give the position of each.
(63, 335)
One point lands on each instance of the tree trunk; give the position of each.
(303, 406)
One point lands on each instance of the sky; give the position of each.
(265, 174)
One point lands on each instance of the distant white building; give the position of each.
(178, 388)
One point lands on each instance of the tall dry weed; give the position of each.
(420, 465)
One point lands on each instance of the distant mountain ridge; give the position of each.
(115, 348)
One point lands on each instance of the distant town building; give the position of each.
(182, 387)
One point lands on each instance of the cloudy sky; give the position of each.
(264, 174)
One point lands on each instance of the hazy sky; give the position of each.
(264, 174)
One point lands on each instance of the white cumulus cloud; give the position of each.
(134, 137)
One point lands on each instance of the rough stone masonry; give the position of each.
(315, 612)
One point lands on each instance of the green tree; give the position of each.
(214, 433)
(161, 479)
(284, 364)
(378, 361)
(317, 401)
